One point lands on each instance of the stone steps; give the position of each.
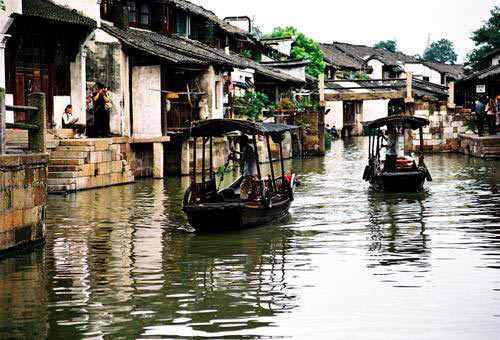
(59, 161)
(69, 154)
(79, 164)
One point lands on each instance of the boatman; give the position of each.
(392, 149)
(248, 166)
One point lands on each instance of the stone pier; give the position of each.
(23, 191)
(482, 147)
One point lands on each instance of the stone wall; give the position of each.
(482, 147)
(80, 164)
(442, 135)
(140, 158)
(23, 191)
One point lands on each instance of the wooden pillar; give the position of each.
(270, 160)
(282, 160)
(204, 141)
(158, 161)
(3, 148)
(185, 158)
(211, 158)
(451, 95)
(257, 161)
(409, 87)
(421, 158)
(194, 159)
(37, 139)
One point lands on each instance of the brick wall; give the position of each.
(23, 191)
(442, 135)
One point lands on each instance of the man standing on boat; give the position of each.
(248, 166)
(392, 149)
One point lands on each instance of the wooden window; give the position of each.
(132, 16)
(183, 24)
(145, 16)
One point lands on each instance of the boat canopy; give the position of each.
(407, 121)
(219, 127)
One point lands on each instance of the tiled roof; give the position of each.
(186, 51)
(209, 15)
(486, 73)
(47, 10)
(455, 71)
(356, 56)
(340, 59)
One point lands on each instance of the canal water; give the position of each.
(122, 263)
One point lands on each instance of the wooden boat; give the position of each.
(210, 209)
(408, 175)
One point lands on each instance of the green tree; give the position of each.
(441, 51)
(389, 45)
(303, 47)
(486, 39)
(2, 5)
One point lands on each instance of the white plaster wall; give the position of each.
(88, 8)
(146, 103)
(9, 115)
(419, 71)
(377, 69)
(79, 106)
(11, 7)
(240, 75)
(264, 57)
(495, 60)
(284, 47)
(336, 114)
(60, 103)
(125, 103)
(218, 86)
(297, 72)
(374, 109)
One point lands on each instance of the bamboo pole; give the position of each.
(282, 161)
(271, 160)
(259, 174)
(194, 159)
(204, 141)
(211, 158)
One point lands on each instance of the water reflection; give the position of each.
(398, 229)
(122, 262)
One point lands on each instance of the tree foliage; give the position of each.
(389, 45)
(303, 48)
(486, 39)
(441, 51)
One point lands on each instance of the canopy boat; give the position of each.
(269, 199)
(406, 175)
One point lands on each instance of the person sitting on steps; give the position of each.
(69, 122)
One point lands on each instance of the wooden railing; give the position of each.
(35, 124)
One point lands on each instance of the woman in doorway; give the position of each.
(100, 99)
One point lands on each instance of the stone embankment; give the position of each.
(23, 190)
(79, 164)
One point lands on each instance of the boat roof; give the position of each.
(412, 121)
(218, 127)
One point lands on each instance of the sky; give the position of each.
(366, 22)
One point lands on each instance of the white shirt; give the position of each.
(67, 118)
(250, 165)
(392, 144)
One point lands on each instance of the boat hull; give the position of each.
(409, 181)
(233, 216)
